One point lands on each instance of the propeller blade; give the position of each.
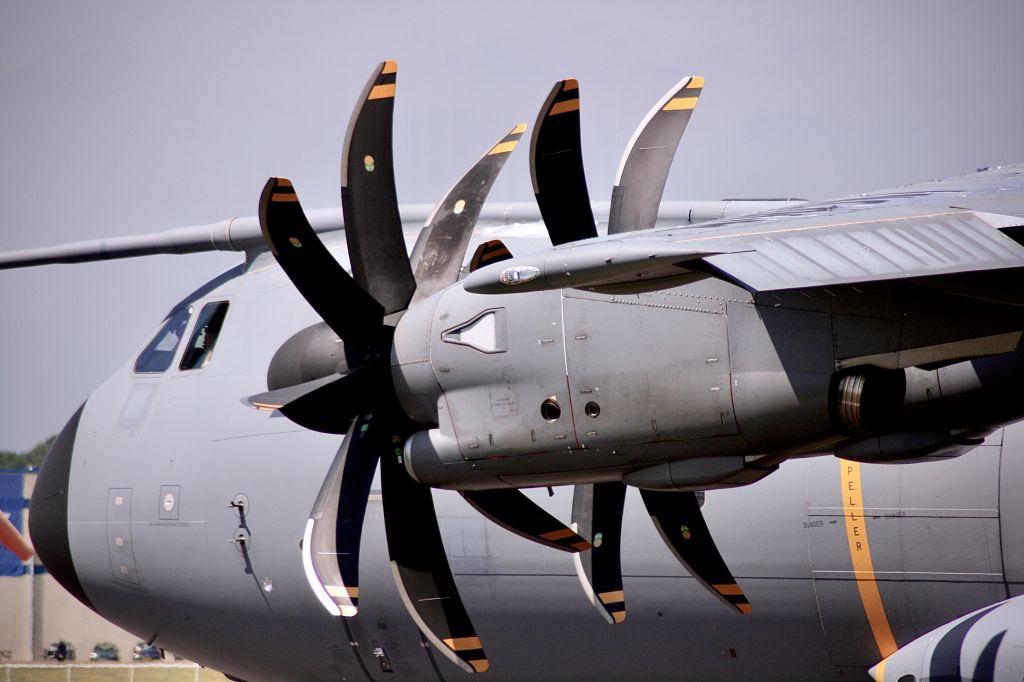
(369, 202)
(489, 252)
(644, 168)
(328, 404)
(352, 313)
(677, 516)
(556, 166)
(330, 549)
(448, 229)
(278, 398)
(421, 569)
(13, 540)
(597, 514)
(514, 511)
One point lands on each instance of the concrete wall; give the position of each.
(15, 618)
(35, 611)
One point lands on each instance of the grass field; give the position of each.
(99, 672)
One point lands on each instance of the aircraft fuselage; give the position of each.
(185, 507)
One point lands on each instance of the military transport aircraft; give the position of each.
(311, 474)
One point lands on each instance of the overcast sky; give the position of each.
(121, 118)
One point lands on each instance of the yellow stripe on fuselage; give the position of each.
(878, 672)
(860, 555)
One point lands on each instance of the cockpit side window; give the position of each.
(199, 350)
(159, 353)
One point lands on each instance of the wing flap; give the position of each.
(1000, 205)
(882, 248)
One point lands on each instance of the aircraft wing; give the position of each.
(243, 234)
(964, 224)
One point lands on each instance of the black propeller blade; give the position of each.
(597, 514)
(373, 227)
(331, 545)
(443, 241)
(421, 569)
(352, 313)
(680, 523)
(491, 251)
(514, 511)
(329, 404)
(361, 400)
(644, 168)
(556, 166)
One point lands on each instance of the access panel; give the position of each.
(500, 362)
(643, 368)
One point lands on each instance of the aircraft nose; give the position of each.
(48, 515)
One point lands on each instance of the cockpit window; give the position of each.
(159, 354)
(200, 347)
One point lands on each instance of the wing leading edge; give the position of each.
(919, 231)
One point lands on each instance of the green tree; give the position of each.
(23, 460)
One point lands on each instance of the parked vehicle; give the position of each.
(105, 651)
(60, 651)
(147, 652)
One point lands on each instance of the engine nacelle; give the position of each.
(910, 447)
(544, 387)
(700, 473)
(893, 414)
(868, 400)
(536, 388)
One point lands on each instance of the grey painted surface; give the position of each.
(526, 601)
(194, 590)
(188, 581)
